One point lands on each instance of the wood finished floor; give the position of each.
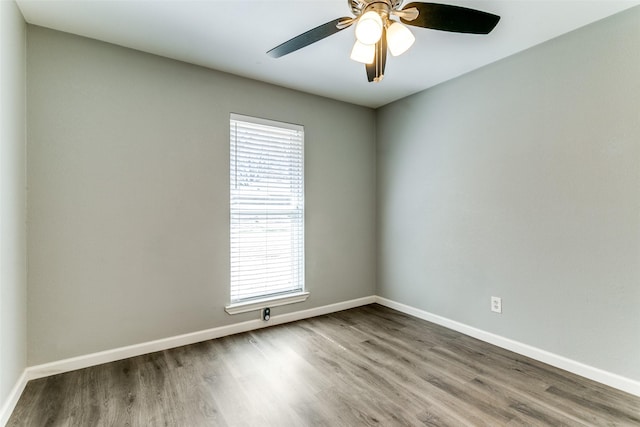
(365, 366)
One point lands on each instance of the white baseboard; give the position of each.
(71, 364)
(12, 399)
(613, 380)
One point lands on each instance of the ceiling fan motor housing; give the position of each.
(383, 7)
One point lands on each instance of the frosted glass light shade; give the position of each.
(364, 53)
(369, 28)
(399, 38)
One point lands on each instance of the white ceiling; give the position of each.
(233, 36)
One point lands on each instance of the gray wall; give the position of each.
(522, 180)
(129, 195)
(13, 232)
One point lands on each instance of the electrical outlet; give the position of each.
(266, 314)
(496, 304)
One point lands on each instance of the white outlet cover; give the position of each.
(496, 304)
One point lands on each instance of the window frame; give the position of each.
(271, 300)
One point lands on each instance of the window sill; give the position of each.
(259, 304)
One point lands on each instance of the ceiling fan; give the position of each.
(376, 31)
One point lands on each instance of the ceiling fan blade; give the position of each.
(315, 34)
(375, 70)
(447, 17)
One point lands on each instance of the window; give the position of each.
(267, 211)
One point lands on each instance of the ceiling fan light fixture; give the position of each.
(399, 38)
(364, 53)
(369, 28)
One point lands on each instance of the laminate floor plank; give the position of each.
(369, 366)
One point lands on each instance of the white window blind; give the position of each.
(267, 208)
